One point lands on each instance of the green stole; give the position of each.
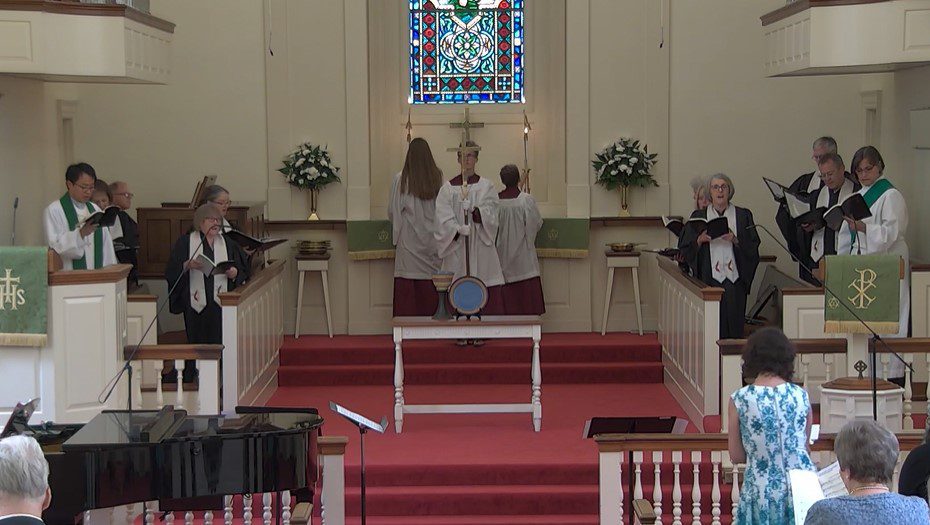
(71, 215)
(874, 192)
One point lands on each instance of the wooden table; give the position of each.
(622, 260)
(313, 263)
(490, 327)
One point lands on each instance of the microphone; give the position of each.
(13, 236)
(127, 365)
(875, 335)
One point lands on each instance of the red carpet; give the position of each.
(470, 469)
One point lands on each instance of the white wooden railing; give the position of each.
(253, 331)
(686, 478)
(204, 400)
(689, 325)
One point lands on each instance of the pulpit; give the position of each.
(848, 399)
(159, 229)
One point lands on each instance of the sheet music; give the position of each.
(809, 487)
(358, 418)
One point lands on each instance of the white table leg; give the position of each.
(398, 384)
(329, 318)
(537, 385)
(300, 302)
(610, 285)
(639, 306)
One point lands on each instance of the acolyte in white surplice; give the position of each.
(68, 243)
(820, 244)
(884, 234)
(520, 221)
(413, 223)
(451, 244)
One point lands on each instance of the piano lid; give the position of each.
(121, 428)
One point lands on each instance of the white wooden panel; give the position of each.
(15, 40)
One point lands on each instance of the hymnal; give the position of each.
(853, 207)
(778, 191)
(673, 225)
(808, 487)
(714, 227)
(671, 253)
(105, 217)
(200, 190)
(251, 243)
(210, 267)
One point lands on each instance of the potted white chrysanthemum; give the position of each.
(624, 164)
(309, 168)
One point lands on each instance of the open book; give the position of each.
(853, 207)
(809, 487)
(105, 217)
(778, 191)
(251, 243)
(210, 267)
(201, 189)
(804, 212)
(714, 227)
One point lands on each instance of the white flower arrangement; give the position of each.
(624, 163)
(309, 167)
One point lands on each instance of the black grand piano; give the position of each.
(185, 462)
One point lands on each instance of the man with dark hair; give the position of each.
(125, 232)
(838, 185)
(798, 240)
(81, 246)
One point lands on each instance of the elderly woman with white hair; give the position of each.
(24, 491)
(728, 261)
(867, 453)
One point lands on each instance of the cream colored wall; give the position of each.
(209, 118)
(31, 165)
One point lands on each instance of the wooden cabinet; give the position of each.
(159, 229)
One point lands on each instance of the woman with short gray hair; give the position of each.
(24, 491)
(867, 453)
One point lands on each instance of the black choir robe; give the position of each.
(829, 239)
(206, 326)
(798, 240)
(746, 253)
(127, 246)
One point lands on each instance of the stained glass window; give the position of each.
(466, 51)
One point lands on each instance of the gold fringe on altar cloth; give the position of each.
(371, 255)
(855, 327)
(561, 253)
(23, 339)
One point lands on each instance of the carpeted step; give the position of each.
(539, 519)
(475, 500)
(471, 474)
(471, 374)
(380, 350)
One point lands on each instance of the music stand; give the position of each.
(634, 425)
(364, 425)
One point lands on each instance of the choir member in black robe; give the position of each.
(125, 232)
(806, 186)
(195, 294)
(729, 261)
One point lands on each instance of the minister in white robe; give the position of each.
(454, 236)
(80, 247)
(729, 261)
(882, 233)
(520, 221)
(412, 212)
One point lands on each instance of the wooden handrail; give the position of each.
(79, 8)
(203, 352)
(253, 285)
(332, 445)
(803, 290)
(110, 274)
(910, 345)
(834, 345)
(141, 298)
(803, 5)
(714, 442)
(706, 293)
(644, 512)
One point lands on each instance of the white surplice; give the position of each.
(485, 263)
(842, 241)
(884, 234)
(520, 221)
(413, 224)
(68, 243)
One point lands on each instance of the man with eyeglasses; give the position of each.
(125, 232)
(806, 187)
(81, 246)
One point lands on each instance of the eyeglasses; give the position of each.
(865, 169)
(126, 194)
(720, 187)
(84, 187)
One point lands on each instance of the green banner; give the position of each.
(870, 285)
(369, 240)
(23, 295)
(563, 238)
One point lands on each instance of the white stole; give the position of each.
(815, 183)
(722, 256)
(198, 279)
(823, 200)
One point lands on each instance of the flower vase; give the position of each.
(624, 201)
(314, 199)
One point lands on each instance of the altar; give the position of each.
(490, 327)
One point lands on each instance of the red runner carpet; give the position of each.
(469, 469)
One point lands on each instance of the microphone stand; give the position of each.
(127, 365)
(873, 355)
(13, 235)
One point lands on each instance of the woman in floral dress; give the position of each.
(770, 421)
